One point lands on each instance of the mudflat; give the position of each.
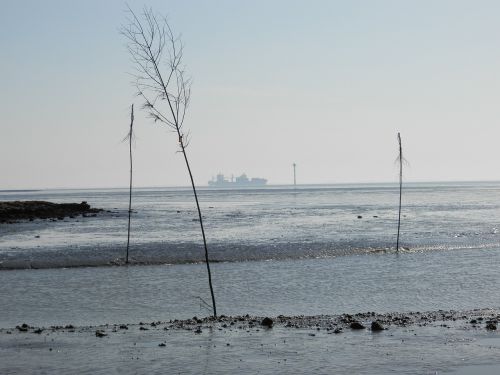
(434, 342)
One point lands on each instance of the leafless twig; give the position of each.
(163, 84)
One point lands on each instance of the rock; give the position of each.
(38, 330)
(162, 344)
(491, 326)
(11, 211)
(357, 325)
(347, 318)
(473, 321)
(123, 326)
(100, 333)
(198, 330)
(267, 322)
(360, 217)
(144, 329)
(23, 327)
(377, 326)
(337, 330)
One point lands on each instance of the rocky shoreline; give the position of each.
(14, 211)
(366, 343)
(478, 319)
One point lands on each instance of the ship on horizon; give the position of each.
(241, 181)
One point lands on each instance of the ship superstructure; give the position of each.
(240, 181)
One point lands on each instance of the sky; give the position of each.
(323, 84)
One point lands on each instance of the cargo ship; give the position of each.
(241, 181)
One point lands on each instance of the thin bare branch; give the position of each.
(163, 86)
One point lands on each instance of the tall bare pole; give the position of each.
(162, 83)
(130, 136)
(294, 176)
(400, 160)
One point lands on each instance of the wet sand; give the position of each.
(436, 342)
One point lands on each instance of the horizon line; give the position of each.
(244, 187)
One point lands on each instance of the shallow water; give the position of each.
(269, 223)
(311, 255)
(460, 279)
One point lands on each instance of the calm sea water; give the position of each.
(280, 251)
(311, 252)
(262, 224)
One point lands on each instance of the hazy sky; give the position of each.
(325, 84)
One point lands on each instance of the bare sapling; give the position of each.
(130, 137)
(161, 81)
(400, 160)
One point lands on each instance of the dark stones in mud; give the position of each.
(31, 210)
(197, 320)
(23, 327)
(360, 217)
(38, 331)
(377, 326)
(123, 326)
(346, 318)
(357, 325)
(100, 333)
(337, 330)
(198, 330)
(491, 326)
(267, 322)
(162, 344)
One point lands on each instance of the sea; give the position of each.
(304, 250)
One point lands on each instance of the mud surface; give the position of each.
(435, 342)
(487, 319)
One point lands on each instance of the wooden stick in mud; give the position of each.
(400, 160)
(130, 136)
